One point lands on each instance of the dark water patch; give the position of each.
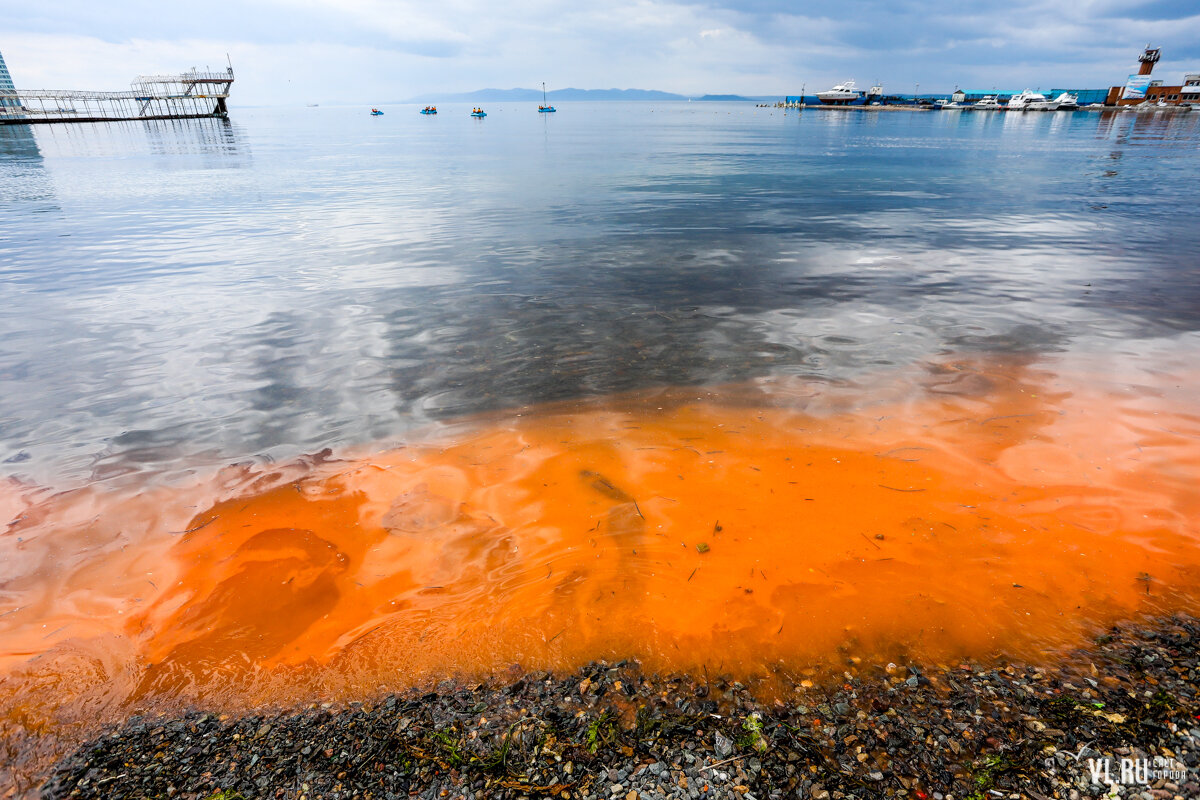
(293, 281)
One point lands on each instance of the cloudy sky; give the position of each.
(298, 51)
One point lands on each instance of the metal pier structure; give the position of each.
(189, 95)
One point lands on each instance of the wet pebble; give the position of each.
(985, 730)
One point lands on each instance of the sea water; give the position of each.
(313, 403)
(176, 294)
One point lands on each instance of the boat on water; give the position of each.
(478, 113)
(1067, 101)
(429, 110)
(545, 107)
(987, 103)
(375, 112)
(843, 94)
(1029, 101)
(1043, 105)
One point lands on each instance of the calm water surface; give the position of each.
(704, 385)
(180, 295)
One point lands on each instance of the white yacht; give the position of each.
(1023, 101)
(988, 103)
(1067, 101)
(841, 95)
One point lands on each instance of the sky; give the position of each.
(288, 52)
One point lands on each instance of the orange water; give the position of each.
(969, 509)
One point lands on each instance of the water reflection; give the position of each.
(1151, 126)
(209, 136)
(17, 143)
(180, 137)
(27, 188)
(351, 282)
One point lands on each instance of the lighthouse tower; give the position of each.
(1148, 59)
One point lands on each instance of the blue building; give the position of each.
(6, 84)
(8, 92)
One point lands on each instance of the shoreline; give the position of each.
(1177, 109)
(954, 732)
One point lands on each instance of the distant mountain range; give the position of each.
(525, 95)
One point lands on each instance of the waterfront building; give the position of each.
(1141, 88)
(8, 92)
(1190, 91)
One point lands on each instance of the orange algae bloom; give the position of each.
(995, 508)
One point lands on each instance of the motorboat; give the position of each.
(375, 112)
(478, 113)
(841, 95)
(1024, 101)
(1067, 101)
(429, 110)
(988, 103)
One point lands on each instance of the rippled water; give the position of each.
(186, 294)
(312, 404)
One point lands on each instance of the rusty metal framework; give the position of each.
(188, 95)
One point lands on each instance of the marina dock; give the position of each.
(189, 95)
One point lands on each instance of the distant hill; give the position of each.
(500, 95)
(724, 98)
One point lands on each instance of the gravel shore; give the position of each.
(1129, 704)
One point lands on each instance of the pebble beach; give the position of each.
(965, 731)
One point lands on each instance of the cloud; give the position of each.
(356, 51)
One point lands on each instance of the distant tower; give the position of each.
(1148, 59)
(6, 84)
(8, 92)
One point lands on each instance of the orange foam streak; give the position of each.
(993, 508)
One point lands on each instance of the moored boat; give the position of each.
(545, 107)
(1023, 101)
(1067, 101)
(1045, 104)
(841, 95)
